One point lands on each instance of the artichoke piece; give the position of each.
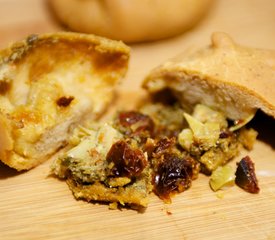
(240, 123)
(86, 160)
(206, 114)
(205, 134)
(185, 138)
(222, 177)
(205, 125)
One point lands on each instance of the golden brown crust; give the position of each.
(132, 195)
(138, 20)
(6, 141)
(37, 74)
(234, 79)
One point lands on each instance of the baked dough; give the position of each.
(48, 84)
(233, 79)
(131, 21)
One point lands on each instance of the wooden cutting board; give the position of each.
(34, 205)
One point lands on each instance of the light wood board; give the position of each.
(36, 206)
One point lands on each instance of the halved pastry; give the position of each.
(50, 83)
(233, 79)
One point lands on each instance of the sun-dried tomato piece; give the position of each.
(127, 161)
(246, 177)
(225, 134)
(5, 86)
(136, 123)
(173, 175)
(64, 101)
(163, 145)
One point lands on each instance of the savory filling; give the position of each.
(159, 145)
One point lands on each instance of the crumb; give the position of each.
(167, 210)
(220, 195)
(113, 206)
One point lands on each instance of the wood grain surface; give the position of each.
(34, 205)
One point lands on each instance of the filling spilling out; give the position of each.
(158, 148)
